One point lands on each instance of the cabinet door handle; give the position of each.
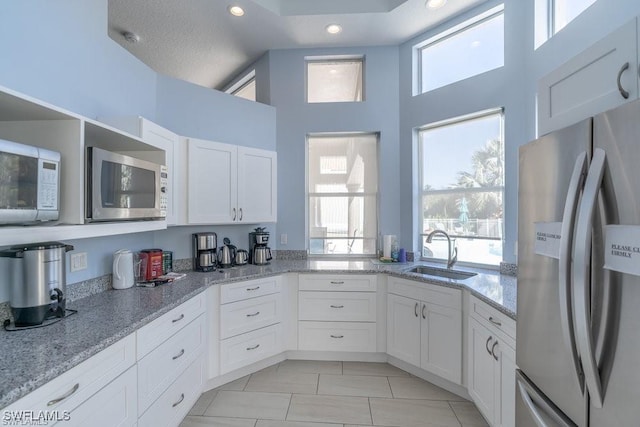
(240, 214)
(337, 336)
(253, 348)
(337, 306)
(415, 309)
(253, 289)
(624, 93)
(494, 321)
(493, 350)
(179, 400)
(234, 214)
(254, 314)
(64, 396)
(337, 283)
(487, 345)
(178, 319)
(424, 306)
(179, 355)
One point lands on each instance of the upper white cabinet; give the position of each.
(228, 184)
(602, 77)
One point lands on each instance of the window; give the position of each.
(245, 87)
(462, 186)
(471, 48)
(343, 194)
(554, 15)
(335, 79)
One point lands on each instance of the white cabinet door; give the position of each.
(506, 415)
(481, 373)
(588, 84)
(257, 185)
(403, 328)
(212, 182)
(441, 341)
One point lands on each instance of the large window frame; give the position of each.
(311, 195)
(336, 59)
(424, 192)
(239, 88)
(546, 25)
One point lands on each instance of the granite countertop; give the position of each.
(34, 357)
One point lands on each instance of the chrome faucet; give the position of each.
(453, 256)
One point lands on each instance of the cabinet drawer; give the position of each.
(434, 294)
(337, 336)
(244, 316)
(245, 349)
(337, 306)
(496, 319)
(253, 288)
(172, 406)
(163, 365)
(113, 405)
(155, 333)
(337, 282)
(82, 381)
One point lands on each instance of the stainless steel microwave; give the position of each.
(29, 183)
(122, 188)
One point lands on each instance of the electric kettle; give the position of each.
(242, 257)
(122, 269)
(226, 254)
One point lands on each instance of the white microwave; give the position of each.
(123, 188)
(29, 183)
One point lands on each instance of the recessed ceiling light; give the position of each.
(333, 28)
(131, 37)
(236, 10)
(435, 4)
(475, 43)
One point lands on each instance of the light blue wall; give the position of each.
(296, 119)
(59, 51)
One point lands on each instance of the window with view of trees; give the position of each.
(462, 186)
(343, 194)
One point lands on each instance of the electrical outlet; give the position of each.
(283, 239)
(78, 261)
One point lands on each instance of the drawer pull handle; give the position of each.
(337, 336)
(179, 355)
(254, 314)
(253, 289)
(253, 348)
(337, 306)
(179, 401)
(64, 396)
(494, 321)
(178, 319)
(337, 283)
(493, 350)
(487, 345)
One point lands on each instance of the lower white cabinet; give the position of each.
(337, 336)
(251, 347)
(491, 371)
(425, 334)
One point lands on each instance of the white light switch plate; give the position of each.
(78, 261)
(283, 239)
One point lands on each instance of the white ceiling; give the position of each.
(200, 42)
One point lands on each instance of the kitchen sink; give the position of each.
(442, 272)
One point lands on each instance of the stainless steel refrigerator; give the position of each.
(578, 328)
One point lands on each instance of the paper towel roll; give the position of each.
(387, 241)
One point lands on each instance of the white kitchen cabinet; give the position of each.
(228, 184)
(423, 333)
(591, 82)
(491, 364)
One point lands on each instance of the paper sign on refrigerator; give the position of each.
(547, 241)
(622, 249)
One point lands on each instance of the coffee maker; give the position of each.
(259, 252)
(204, 251)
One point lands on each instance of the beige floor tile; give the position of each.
(412, 413)
(217, 422)
(311, 366)
(354, 385)
(238, 404)
(272, 423)
(468, 414)
(369, 368)
(329, 409)
(416, 388)
(203, 402)
(237, 385)
(283, 382)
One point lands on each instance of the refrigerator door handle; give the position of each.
(543, 413)
(564, 274)
(581, 276)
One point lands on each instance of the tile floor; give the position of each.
(300, 393)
